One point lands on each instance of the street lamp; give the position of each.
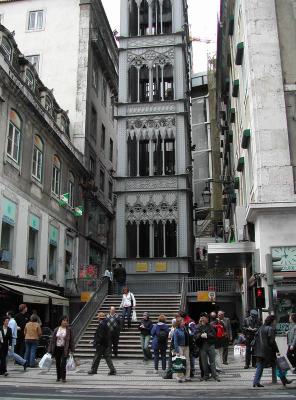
(206, 195)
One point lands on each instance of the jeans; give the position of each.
(259, 372)
(61, 361)
(16, 357)
(207, 355)
(127, 313)
(30, 354)
(100, 353)
(160, 351)
(145, 340)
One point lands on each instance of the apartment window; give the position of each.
(95, 76)
(93, 123)
(104, 92)
(52, 252)
(102, 180)
(111, 150)
(144, 158)
(144, 239)
(34, 60)
(6, 46)
(32, 252)
(91, 165)
(7, 232)
(29, 79)
(36, 20)
(110, 191)
(48, 104)
(56, 175)
(64, 125)
(103, 137)
(68, 257)
(71, 187)
(14, 137)
(132, 156)
(37, 166)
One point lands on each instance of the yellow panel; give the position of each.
(85, 296)
(206, 296)
(161, 267)
(142, 267)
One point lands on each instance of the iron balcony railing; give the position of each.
(218, 285)
(88, 311)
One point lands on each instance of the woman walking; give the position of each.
(61, 345)
(32, 334)
(128, 304)
(291, 341)
(160, 333)
(5, 344)
(266, 350)
(145, 335)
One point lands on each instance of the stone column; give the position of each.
(161, 21)
(138, 157)
(138, 84)
(164, 238)
(162, 83)
(150, 17)
(151, 239)
(124, 18)
(138, 239)
(150, 157)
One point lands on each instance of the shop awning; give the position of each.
(56, 299)
(29, 295)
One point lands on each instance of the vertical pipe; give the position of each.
(161, 17)
(164, 239)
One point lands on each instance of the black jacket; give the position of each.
(120, 274)
(265, 346)
(211, 335)
(7, 341)
(251, 322)
(102, 336)
(147, 327)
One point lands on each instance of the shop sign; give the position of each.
(141, 267)
(9, 211)
(206, 296)
(85, 296)
(282, 328)
(161, 267)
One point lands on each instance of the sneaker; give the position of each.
(91, 372)
(217, 379)
(112, 373)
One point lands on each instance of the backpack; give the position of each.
(220, 330)
(162, 337)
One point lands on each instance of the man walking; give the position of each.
(114, 324)
(250, 327)
(227, 337)
(120, 277)
(205, 335)
(13, 326)
(21, 319)
(102, 343)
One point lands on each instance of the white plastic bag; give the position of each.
(239, 351)
(71, 365)
(134, 316)
(45, 362)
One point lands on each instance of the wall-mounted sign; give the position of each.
(206, 296)
(141, 267)
(161, 267)
(85, 297)
(284, 257)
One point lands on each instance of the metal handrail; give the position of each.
(219, 285)
(183, 294)
(88, 311)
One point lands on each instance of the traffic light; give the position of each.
(271, 268)
(260, 297)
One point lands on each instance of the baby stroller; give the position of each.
(43, 343)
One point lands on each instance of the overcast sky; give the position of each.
(203, 16)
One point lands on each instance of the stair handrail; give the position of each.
(183, 294)
(85, 315)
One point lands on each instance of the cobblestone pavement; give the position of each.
(135, 374)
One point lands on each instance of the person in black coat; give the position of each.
(145, 328)
(21, 319)
(5, 344)
(103, 344)
(266, 350)
(250, 326)
(120, 277)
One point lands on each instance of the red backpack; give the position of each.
(220, 330)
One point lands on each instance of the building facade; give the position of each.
(41, 239)
(154, 204)
(72, 47)
(256, 93)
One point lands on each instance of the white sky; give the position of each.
(202, 18)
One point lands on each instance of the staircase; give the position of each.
(129, 342)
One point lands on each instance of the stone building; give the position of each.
(41, 242)
(72, 47)
(256, 104)
(153, 187)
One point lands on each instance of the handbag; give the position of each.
(282, 364)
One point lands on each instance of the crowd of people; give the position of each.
(205, 342)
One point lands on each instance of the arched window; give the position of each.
(37, 166)
(48, 104)
(144, 19)
(133, 18)
(71, 187)
(14, 137)
(29, 79)
(7, 47)
(56, 175)
(144, 84)
(133, 84)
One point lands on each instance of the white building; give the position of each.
(154, 204)
(256, 84)
(74, 51)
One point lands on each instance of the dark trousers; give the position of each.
(102, 352)
(61, 361)
(291, 355)
(3, 362)
(127, 313)
(160, 353)
(207, 355)
(225, 352)
(248, 352)
(115, 340)
(20, 347)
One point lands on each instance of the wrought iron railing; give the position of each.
(218, 285)
(88, 311)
